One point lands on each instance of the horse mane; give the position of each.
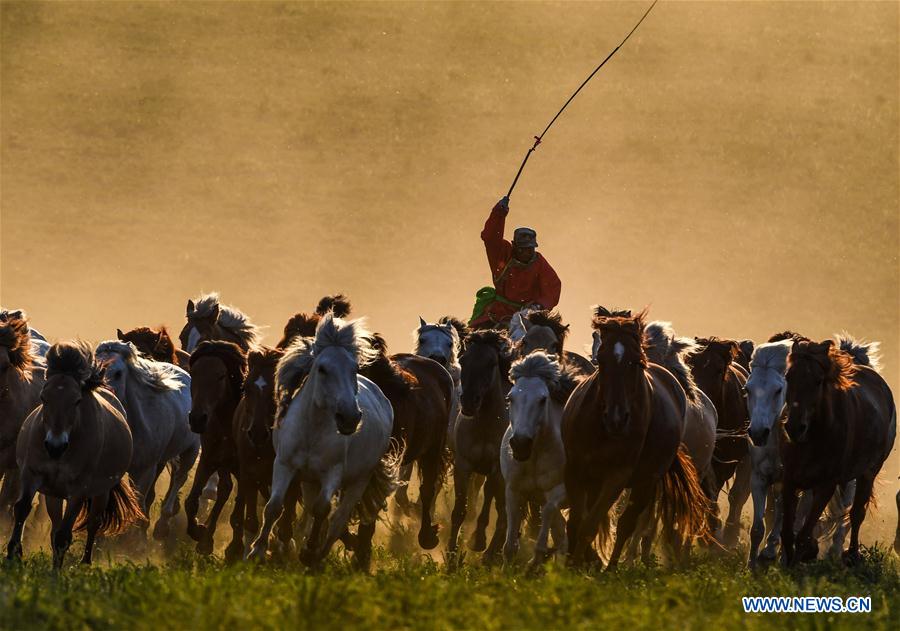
(553, 321)
(338, 304)
(728, 349)
(395, 381)
(230, 318)
(840, 369)
(771, 355)
(788, 335)
(299, 325)
(76, 360)
(560, 381)
(16, 337)
(599, 311)
(496, 339)
(350, 335)
(158, 376)
(230, 354)
(863, 353)
(663, 348)
(291, 371)
(462, 329)
(264, 355)
(745, 352)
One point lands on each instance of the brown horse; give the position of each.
(716, 371)
(157, 344)
(622, 429)
(485, 361)
(841, 426)
(218, 370)
(75, 446)
(421, 392)
(253, 422)
(544, 330)
(21, 380)
(304, 324)
(209, 319)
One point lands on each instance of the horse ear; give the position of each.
(214, 314)
(827, 345)
(120, 335)
(190, 308)
(601, 312)
(735, 349)
(422, 322)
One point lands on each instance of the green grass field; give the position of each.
(188, 592)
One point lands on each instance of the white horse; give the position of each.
(332, 430)
(532, 456)
(157, 399)
(766, 392)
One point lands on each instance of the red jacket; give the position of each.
(526, 284)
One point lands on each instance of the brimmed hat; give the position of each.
(525, 238)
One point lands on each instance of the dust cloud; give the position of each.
(735, 166)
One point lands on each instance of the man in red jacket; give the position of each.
(522, 277)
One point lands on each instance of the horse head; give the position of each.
(621, 360)
(485, 363)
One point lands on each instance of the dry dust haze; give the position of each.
(735, 166)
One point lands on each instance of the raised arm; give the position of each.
(498, 249)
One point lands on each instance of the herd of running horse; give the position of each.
(634, 444)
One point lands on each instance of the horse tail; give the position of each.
(384, 481)
(683, 506)
(123, 508)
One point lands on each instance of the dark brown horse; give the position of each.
(157, 344)
(304, 324)
(21, 380)
(485, 362)
(75, 447)
(253, 422)
(622, 429)
(841, 426)
(421, 392)
(218, 370)
(545, 330)
(209, 319)
(716, 371)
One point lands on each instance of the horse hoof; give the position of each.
(851, 558)
(234, 553)
(161, 531)
(428, 538)
(205, 546)
(478, 542)
(309, 558)
(197, 532)
(807, 551)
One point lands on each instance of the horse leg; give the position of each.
(285, 524)
(429, 471)
(737, 497)
(178, 475)
(788, 515)
(858, 514)
(550, 516)
(62, 538)
(807, 547)
(838, 508)
(577, 497)
(640, 499)
(145, 484)
(192, 503)
(514, 504)
(362, 552)
(21, 510)
(649, 535)
(897, 536)
(316, 548)
(402, 494)
(96, 508)
(774, 517)
(282, 476)
(478, 542)
(234, 551)
(499, 486)
(759, 487)
(461, 475)
(598, 504)
(223, 490)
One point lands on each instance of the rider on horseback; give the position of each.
(522, 277)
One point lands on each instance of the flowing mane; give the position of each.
(230, 354)
(863, 353)
(663, 348)
(838, 366)
(75, 360)
(156, 343)
(16, 338)
(462, 329)
(158, 376)
(304, 324)
(599, 311)
(338, 304)
(230, 318)
(545, 366)
(551, 320)
(727, 349)
(788, 335)
(393, 379)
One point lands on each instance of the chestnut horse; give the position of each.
(841, 426)
(209, 319)
(544, 330)
(156, 344)
(622, 429)
(75, 447)
(717, 373)
(253, 422)
(217, 378)
(21, 380)
(485, 362)
(421, 392)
